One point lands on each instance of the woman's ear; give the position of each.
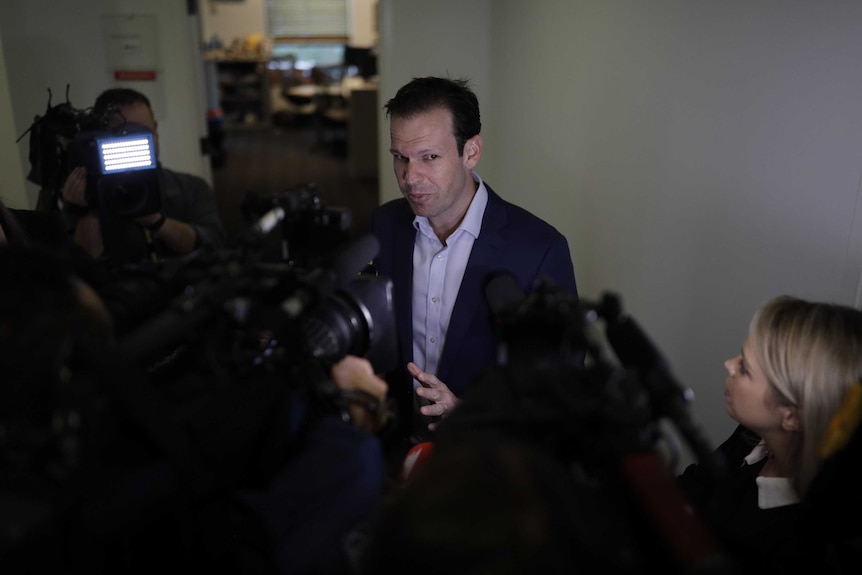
(790, 420)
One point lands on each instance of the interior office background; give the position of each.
(700, 156)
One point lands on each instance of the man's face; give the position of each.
(436, 181)
(140, 113)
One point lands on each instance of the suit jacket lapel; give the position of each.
(403, 270)
(486, 256)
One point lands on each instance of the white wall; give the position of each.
(51, 44)
(701, 157)
(12, 190)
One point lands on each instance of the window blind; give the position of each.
(306, 18)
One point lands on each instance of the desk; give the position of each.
(343, 89)
(311, 90)
(317, 100)
(352, 104)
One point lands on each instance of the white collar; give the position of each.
(472, 222)
(771, 491)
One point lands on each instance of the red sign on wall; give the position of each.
(134, 75)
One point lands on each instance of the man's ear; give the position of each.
(472, 151)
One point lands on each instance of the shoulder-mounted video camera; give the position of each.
(119, 157)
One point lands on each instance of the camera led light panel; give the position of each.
(126, 153)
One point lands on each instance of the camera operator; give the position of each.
(188, 218)
(799, 361)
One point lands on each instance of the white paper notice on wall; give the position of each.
(134, 61)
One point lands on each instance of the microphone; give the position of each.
(267, 216)
(685, 534)
(636, 350)
(353, 259)
(268, 221)
(669, 399)
(503, 291)
(416, 457)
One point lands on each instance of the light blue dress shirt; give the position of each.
(437, 273)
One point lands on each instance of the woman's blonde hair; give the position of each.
(811, 353)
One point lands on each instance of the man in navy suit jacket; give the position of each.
(442, 241)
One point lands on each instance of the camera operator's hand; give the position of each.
(88, 230)
(364, 390)
(75, 187)
(434, 390)
(179, 236)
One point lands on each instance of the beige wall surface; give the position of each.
(12, 188)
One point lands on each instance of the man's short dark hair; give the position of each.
(428, 93)
(119, 97)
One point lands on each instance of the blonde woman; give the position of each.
(796, 366)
